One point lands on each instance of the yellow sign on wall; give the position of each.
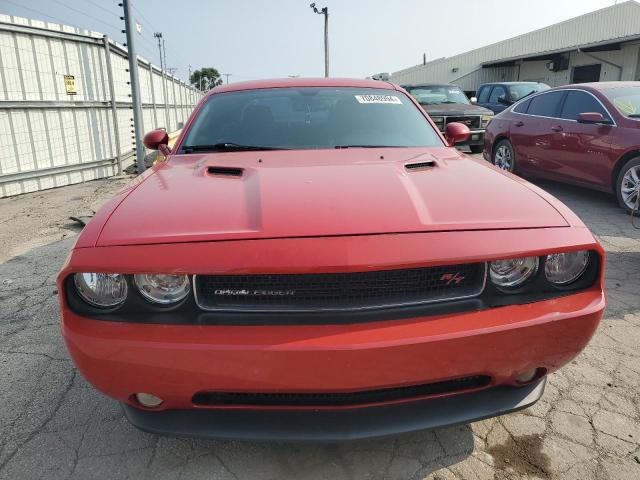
(70, 84)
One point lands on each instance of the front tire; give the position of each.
(504, 157)
(476, 148)
(628, 186)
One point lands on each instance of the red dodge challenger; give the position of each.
(315, 261)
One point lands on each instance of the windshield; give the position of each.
(517, 92)
(308, 118)
(626, 100)
(437, 94)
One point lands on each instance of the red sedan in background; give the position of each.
(586, 134)
(309, 264)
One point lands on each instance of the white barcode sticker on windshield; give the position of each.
(392, 99)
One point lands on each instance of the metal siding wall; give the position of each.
(626, 58)
(71, 140)
(615, 22)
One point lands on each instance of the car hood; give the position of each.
(278, 194)
(443, 109)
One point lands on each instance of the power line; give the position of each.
(147, 46)
(104, 9)
(154, 29)
(144, 18)
(62, 22)
(87, 15)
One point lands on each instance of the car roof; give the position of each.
(512, 83)
(302, 82)
(600, 85)
(423, 85)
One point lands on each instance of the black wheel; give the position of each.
(476, 148)
(628, 185)
(503, 156)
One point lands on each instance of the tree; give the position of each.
(205, 79)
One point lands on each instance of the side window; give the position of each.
(522, 107)
(498, 91)
(581, 102)
(483, 94)
(546, 104)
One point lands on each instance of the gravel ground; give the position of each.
(54, 425)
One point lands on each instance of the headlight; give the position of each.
(102, 290)
(512, 272)
(162, 288)
(486, 119)
(564, 268)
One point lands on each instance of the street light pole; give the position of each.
(163, 66)
(158, 35)
(135, 85)
(324, 11)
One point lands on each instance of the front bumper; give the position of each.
(174, 362)
(337, 425)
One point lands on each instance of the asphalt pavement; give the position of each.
(53, 425)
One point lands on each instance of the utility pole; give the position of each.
(324, 11)
(135, 84)
(227, 75)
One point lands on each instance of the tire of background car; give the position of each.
(504, 156)
(476, 148)
(628, 185)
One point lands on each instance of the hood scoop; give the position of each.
(420, 165)
(225, 171)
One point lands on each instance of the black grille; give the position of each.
(339, 291)
(470, 121)
(211, 399)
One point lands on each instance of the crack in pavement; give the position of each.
(583, 421)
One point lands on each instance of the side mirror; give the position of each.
(155, 138)
(473, 100)
(591, 118)
(456, 133)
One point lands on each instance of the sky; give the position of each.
(264, 39)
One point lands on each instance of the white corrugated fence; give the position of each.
(57, 121)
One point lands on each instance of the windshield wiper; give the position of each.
(226, 147)
(634, 115)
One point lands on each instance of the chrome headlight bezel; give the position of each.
(101, 290)
(576, 263)
(512, 273)
(163, 288)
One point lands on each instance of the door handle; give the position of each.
(519, 124)
(557, 128)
